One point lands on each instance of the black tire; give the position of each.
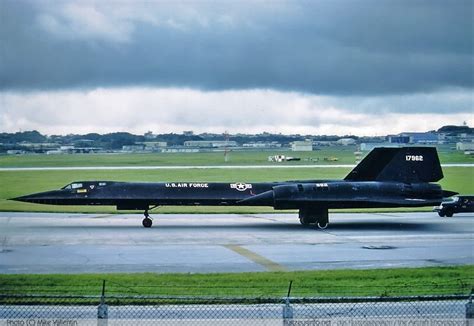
(304, 221)
(306, 218)
(147, 222)
(449, 213)
(322, 225)
(441, 214)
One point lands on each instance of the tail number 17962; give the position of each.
(418, 158)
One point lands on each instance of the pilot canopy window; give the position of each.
(73, 186)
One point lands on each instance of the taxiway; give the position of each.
(202, 243)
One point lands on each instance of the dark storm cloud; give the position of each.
(327, 47)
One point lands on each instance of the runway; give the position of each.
(201, 243)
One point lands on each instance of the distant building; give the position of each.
(414, 138)
(323, 143)
(442, 138)
(69, 149)
(467, 138)
(273, 144)
(302, 146)
(367, 147)
(462, 146)
(133, 148)
(198, 143)
(397, 139)
(40, 146)
(155, 145)
(66, 148)
(85, 150)
(180, 150)
(346, 141)
(84, 142)
(15, 152)
(210, 143)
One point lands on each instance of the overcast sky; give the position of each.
(312, 67)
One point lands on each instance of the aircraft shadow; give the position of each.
(379, 226)
(276, 226)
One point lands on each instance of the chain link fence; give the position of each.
(37, 310)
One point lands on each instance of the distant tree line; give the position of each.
(116, 140)
(456, 130)
(25, 136)
(111, 141)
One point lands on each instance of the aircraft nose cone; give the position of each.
(39, 198)
(21, 198)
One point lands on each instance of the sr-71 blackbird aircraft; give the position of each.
(386, 177)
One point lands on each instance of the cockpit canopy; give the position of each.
(86, 184)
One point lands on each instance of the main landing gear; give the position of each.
(314, 215)
(448, 212)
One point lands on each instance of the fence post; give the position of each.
(287, 308)
(102, 309)
(469, 309)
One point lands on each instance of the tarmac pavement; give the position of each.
(202, 243)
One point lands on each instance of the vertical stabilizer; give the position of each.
(404, 164)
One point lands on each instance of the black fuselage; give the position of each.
(280, 195)
(386, 177)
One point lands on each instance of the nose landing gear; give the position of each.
(147, 221)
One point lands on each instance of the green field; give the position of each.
(384, 282)
(345, 155)
(17, 183)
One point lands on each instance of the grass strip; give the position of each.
(373, 282)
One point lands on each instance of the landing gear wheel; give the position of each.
(306, 216)
(303, 222)
(441, 214)
(322, 225)
(449, 213)
(147, 222)
(306, 220)
(314, 216)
